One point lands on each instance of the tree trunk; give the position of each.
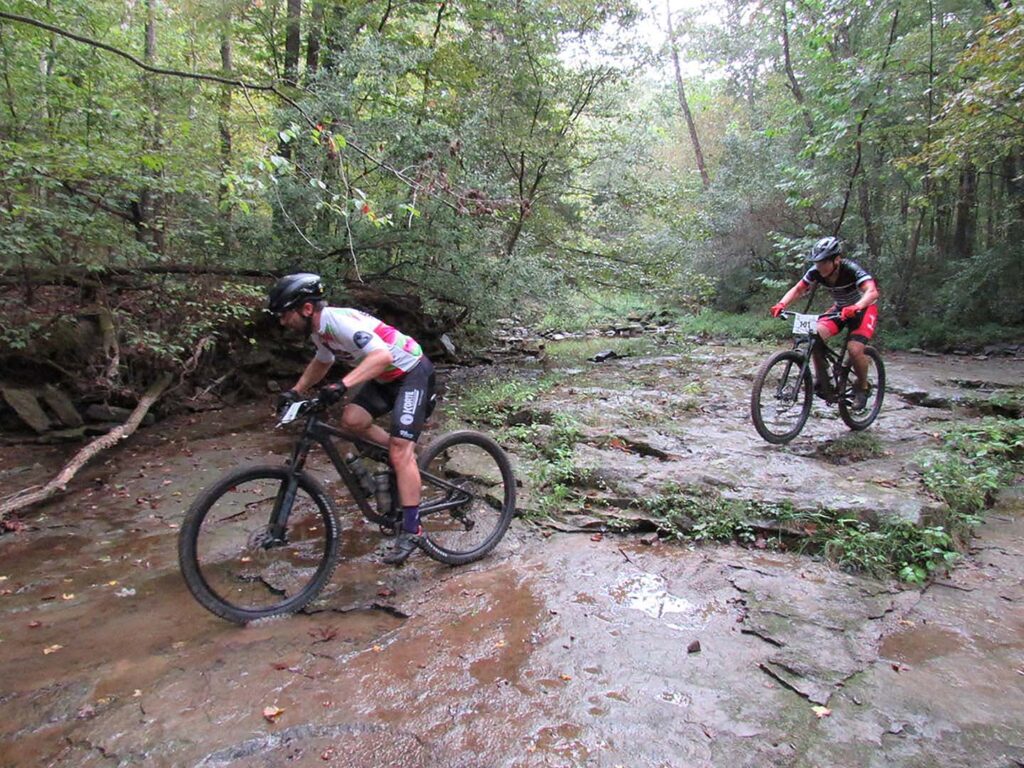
(149, 224)
(964, 212)
(698, 154)
(227, 66)
(9, 98)
(871, 235)
(292, 42)
(794, 84)
(292, 46)
(316, 25)
(1013, 178)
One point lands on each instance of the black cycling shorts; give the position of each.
(410, 400)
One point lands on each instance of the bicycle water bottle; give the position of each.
(361, 472)
(382, 483)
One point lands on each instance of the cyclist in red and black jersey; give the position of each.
(854, 292)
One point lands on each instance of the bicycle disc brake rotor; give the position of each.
(262, 540)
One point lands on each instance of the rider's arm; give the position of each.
(314, 372)
(370, 367)
(794, 293)
(868, 295)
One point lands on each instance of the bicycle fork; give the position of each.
(282, 509)
(781, 391)
(285, 499)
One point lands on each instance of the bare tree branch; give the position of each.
(60, 482)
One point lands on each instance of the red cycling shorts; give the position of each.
(862, 325)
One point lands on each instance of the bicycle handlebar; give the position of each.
(300, 408)
(788, 313)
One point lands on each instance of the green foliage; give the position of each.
(911, 552)
(853, 446)
(714, 323)
(984, 109)
(949, 335)
(575, 351)
(490, 155)
(492, 401)
(702, 514)
(576, 311)
(975, 460)
(166, 328)
(549, 450)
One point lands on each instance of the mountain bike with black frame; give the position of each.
(263, 540)
(784, 387)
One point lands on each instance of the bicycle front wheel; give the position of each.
(781, 400)
(234, 562)
(858, 420)
(469, 496)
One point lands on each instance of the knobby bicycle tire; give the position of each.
(478, 466)
(795, 413)
(858, 420)
(223, 551)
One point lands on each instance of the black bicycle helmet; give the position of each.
(826, 248)
(292, 290)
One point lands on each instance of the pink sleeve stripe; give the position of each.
(386, 332)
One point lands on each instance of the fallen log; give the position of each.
(29, 496)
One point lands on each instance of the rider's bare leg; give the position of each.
(860, 363)
(407, 471)
(357, 419)
(402, 452)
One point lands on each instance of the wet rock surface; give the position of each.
(557, 650)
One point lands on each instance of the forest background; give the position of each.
(463, 161)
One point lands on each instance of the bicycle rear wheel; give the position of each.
(858, 420)
(234, 565)
(781, 400)
(467, 510)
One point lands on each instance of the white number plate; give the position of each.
(292, 412)
(804, 324)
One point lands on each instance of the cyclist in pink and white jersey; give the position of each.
(396, 377)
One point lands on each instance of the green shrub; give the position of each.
(491, 401)
(975, 460)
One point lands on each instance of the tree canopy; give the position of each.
(482, 157)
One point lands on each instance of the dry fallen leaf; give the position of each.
(52, 649)
(566, 677)
(821, 711)
(271, 713)
(597, 537)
